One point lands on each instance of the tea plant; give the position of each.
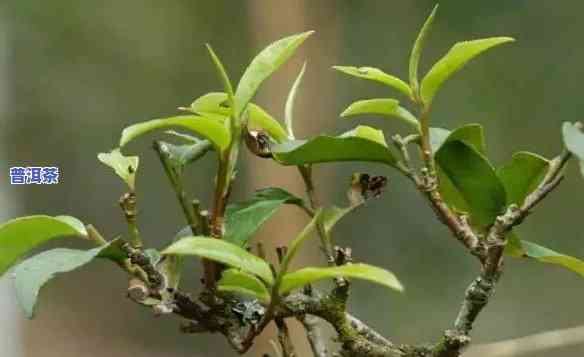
(241, 292)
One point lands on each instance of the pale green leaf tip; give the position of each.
(347, 112)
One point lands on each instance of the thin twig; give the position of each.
(128, 205)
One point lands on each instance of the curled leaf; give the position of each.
(124, 166)
(289, 108)
(222, 75)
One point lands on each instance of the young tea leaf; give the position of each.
(289, 108)
(460, 54)
(245, 218)
(213, 102)
(377, 75)
(258, 118)
(180, 156)
(222, 75)
(364, 144)
(216, 132)
(386, 107)
(525, 249)
(124, 166)
(263, 65)
(307, 276)
(417, 50)
(239, 282)
(473, 181)
(20, 235)
(522, 175)
(33, 273)
(222, 252)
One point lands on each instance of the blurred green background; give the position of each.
(73, 74)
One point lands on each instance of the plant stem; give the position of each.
(128, 205)
(425, 139)
(175, 179)
(325, 239)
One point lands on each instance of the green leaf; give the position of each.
(20, 235)
(362, 144)
(260, 119)
(453, 61)
(216, 103)
(33, 273)
(307, 276)
(289, 108)
(474, 181)
(124, 166)
(377, 75)
(213, 102)
(522, 175)
(180, 156)
(222, 252)
(216, 132)
(227, 87)
(306, 233)
(387, 107)
(574, 141)
(263, 65)
(366, 132)
(545, 255)
(470, 134)
(239, 282)
(437, 137)
(418, 47)
(245, 218)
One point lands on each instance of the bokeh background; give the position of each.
(73, 74)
